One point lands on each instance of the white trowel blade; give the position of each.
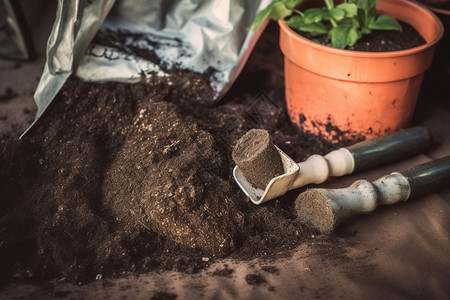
(278, 186)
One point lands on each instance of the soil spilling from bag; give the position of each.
(115, 178)
(120, 178)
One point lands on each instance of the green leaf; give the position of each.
(298, 23)
(365, 18)
(314, 15)
(337, 13)
(260, 17)
(279, 11)
(385, 23)
(371, 14)
(353, 36)
(350, 9)
(316, 28)
(339, 37)
(365, 5)
(345, 34)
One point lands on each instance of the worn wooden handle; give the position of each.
(326, 208)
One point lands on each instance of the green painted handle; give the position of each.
(390, 148)
(429, 176)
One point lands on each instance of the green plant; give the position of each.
(342, 24)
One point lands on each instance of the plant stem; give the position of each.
(329, 4)
(333, 22)
(297, 11)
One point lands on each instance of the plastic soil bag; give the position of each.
(209, 37)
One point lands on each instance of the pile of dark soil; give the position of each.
(120, 178)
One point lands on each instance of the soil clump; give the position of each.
(256, 156)
(313, 208)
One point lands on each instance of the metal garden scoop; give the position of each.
(317, 169)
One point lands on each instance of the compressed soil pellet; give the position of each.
(313, 208)
(257, 158)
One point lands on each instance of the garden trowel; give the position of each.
(317, 168)
(324, 209)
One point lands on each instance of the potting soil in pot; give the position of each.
(382, 40)
(119, 178)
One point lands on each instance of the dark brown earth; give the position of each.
(140, 187)
(118, 178)
(390, 40)
(7, 94)
(254, 279)
(132, 178)
(225, 272)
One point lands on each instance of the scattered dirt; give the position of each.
(7, 95)
(254, 279)
(256, 156)
(225, 272)
(164, 296)
(271, 269)
(333, 134)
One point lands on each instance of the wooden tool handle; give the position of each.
(429, 176)
(390, 148)
(326, 208)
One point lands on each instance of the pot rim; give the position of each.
(345, 52)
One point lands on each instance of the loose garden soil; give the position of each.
(129, 178)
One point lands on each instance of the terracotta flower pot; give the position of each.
(352, 94)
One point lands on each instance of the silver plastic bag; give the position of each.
(203, 36)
